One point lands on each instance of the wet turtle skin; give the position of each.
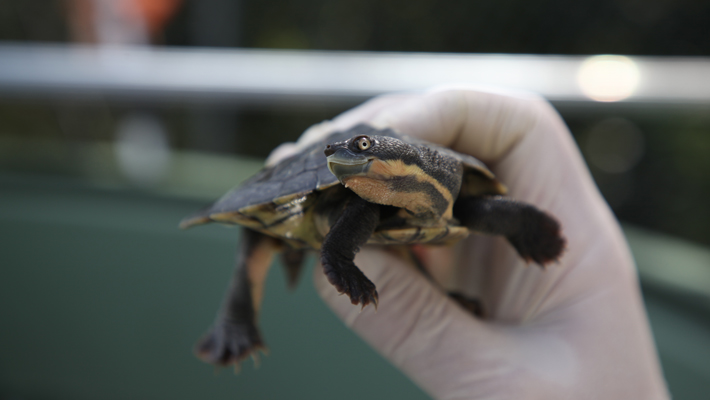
(391, 190)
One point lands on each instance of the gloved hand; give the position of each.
(576, 330)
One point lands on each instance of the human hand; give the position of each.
(574, 330)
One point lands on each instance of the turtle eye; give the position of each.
(363, 143)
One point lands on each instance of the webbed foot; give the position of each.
(539, 240)
(535, 234)
(348, 279)
(229, 343)
(351, 230)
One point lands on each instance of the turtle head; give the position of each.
(365, 155)
(387, 170)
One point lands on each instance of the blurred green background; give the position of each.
(101, 296)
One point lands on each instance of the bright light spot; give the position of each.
(608, 78)
(142, 149)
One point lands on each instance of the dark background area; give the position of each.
(630, 27)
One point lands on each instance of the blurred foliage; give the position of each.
(632, 27)
(33, 20)
(667, 189)
(509, 26)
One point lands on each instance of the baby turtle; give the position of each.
(370, 187)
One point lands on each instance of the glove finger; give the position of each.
(418, 328)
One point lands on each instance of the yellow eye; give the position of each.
(363, 143)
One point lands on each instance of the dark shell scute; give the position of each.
(300, 173)
(314, 159)
(299, 183)
(247, 195)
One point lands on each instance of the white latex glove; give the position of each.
(576, 330)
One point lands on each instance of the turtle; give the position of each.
(357, 186)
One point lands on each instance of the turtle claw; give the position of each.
(229, 343)
(375, 299)
(255, 358)
(348, 279)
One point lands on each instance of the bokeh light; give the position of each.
(614, 145)
(142, 149)
(608, 78)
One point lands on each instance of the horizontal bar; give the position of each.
(227, 75)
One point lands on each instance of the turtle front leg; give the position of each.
(235, 335)
(352, 229)
(534, 234)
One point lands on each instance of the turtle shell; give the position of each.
(282, 200)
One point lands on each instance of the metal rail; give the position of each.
(250, 75)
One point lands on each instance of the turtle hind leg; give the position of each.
(470, 304)
(352, 229)
(292, 260)
(235, 335)
(229, 343)
(534, 234)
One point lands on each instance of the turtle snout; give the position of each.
(329, 150)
